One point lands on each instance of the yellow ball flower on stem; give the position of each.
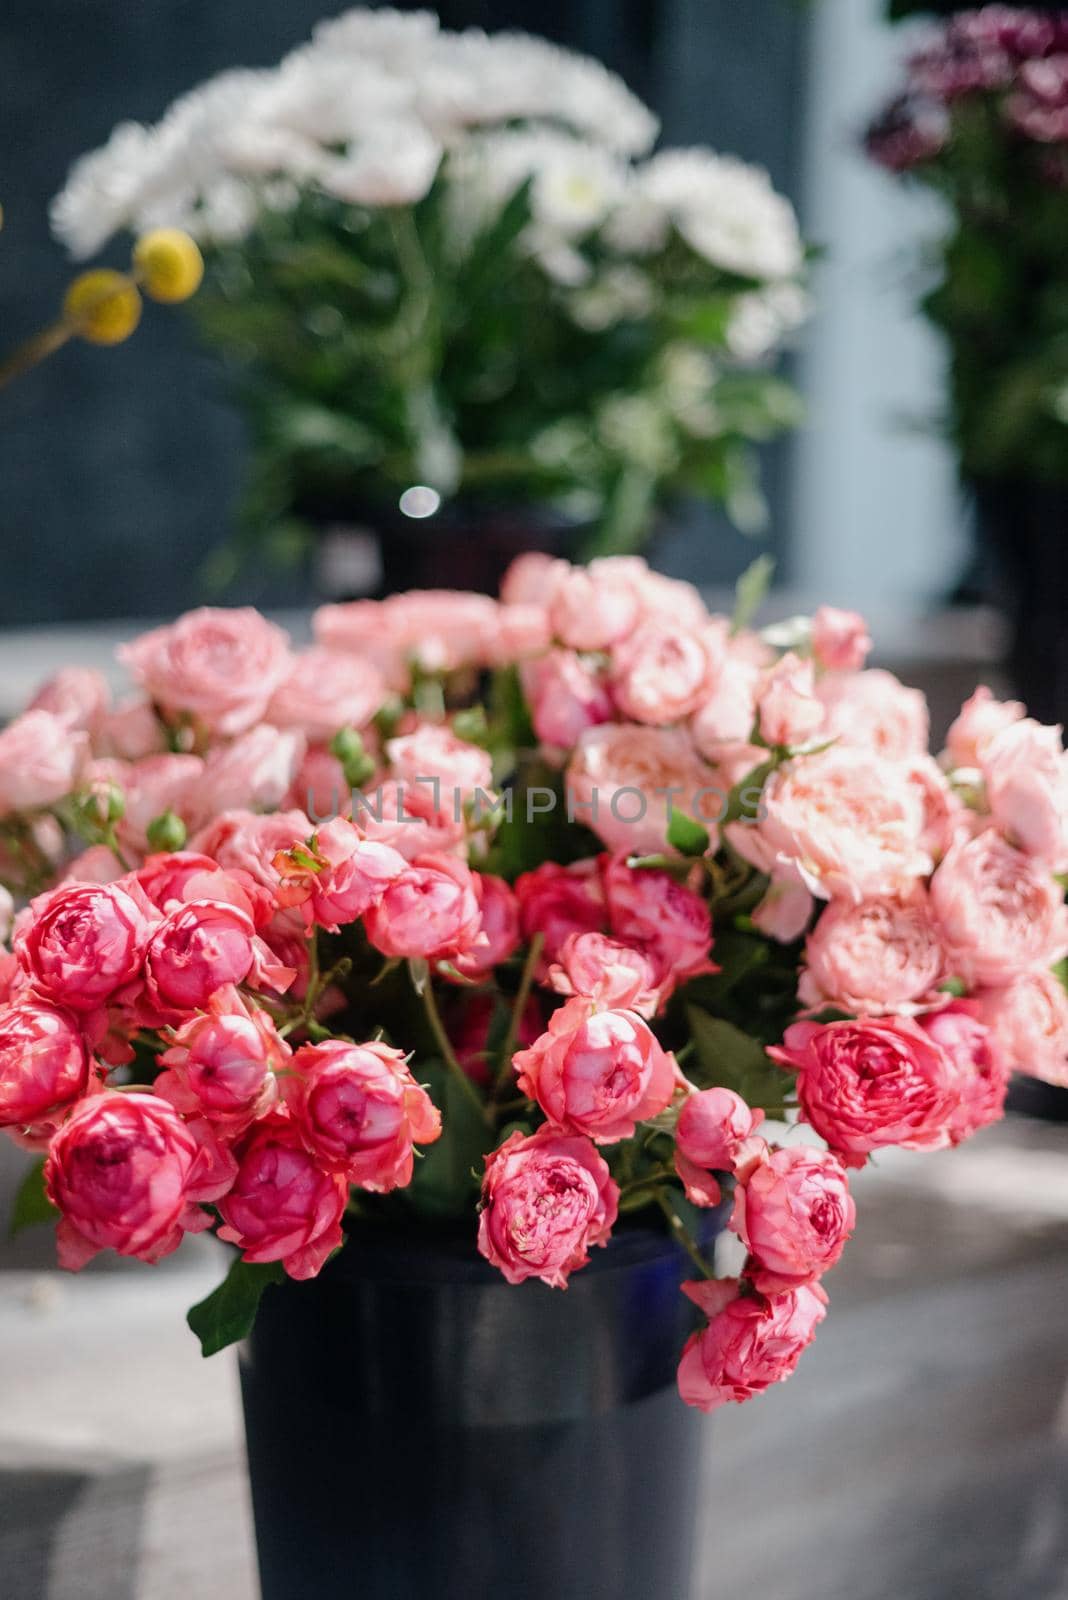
(102, 306)
(168, 265)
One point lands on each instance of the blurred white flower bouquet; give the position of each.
(446, 260)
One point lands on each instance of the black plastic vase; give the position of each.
(420, 1430)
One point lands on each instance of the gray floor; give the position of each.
(919, 1454)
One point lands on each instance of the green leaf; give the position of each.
(227, 1314)
(750, 591)
(446, 1181)
(726, 1056)
(686, 835)
(32, 1205)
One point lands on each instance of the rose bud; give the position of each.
(282, 1206)
(546, 1200)
(982, 1066)
(337, 875)
(431, 910)
(198, 948)
(558, 901)
(872, 1082)
(750, 1342)
(81, 943)
(499, 926)
(360, 1111)
(840, 639)
(713, 1129)
(788, 711)
(44, 1064)
(597, 1072)
(611, 974)
(793, 1212)
(221, 1064)
(126, 1173)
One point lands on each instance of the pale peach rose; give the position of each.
(404, 816)
(442, 629)
(130, 731)
(946, 818)
(784, 912)
(325, 692)
(1002, 914)
(787, 705)
(528, 580)
(840, 639)
(874, 711)
(980, 719)
(78, 696)
(41, 761)
(623, 780)
(256, 772)
(1026, 773)
(660, 672)
(522, 632)
(588, 611)
(217, 666)
(452, 770)
(881, 956)
(727, 713)
(566, 697)
(1029, 1020)
(363, 628)
(659, 597)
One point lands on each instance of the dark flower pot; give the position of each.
(417, 1427)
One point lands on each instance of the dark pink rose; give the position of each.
(221, 1064)
(546, 1200)
(713, 1131)
(430, 910)
(613, 975)
(652, 910)
(44, 1064)
(982, 1067)
(283, 1206)
(336, 875)
(81, 943)
(793, 1211)
(558, 901)
(498, 926)
(201, 947)
(750, 1342)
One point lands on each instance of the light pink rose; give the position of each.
(98, 864)
(610, 974)
(41, 761)
(200, 947)
(320, 787)
(982, 1067)
(840, 639)
(566, 697)
(7, 914)
(336, 875)
(660, 672)
(670, 598)
(127, 1174)
(1026, 773)
(664, 918)
(80, 944)
(429, 910)
(789, 711)
(872, 1082)
(622, 780)
(131, 731)
(256, 772)
(844, 823)
(785, 911)
(324, 692)
(750, 1342)
(879, 955)
(727, 713)
(241, 840)
(44, 1064)
(546, 1200)
(404, 816)
(450, 769)
(1001, 913)
(78, 697)
(221, 1064)
(151, 787)
(715, 1127)
(794, 1213)
(362, 628)
(443, 629)
(219, 667)
(529, 579)
(980, 720)
(360, 1112)
(873, 711)
(499, 929)
(945, 816)
(557, 902)
(1029, 1020)
(589, 611)
(597, 1072)
(522, 631)
(283, 1206)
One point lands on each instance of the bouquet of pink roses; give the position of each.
(536, 912)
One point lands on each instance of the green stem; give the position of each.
(448, 1054)
(515, 1021)
(681, 1234)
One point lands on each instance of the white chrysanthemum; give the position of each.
(393, 165)
(397, 38)
(574, 184)
(638, 226)
(619, 293)
(687, 383)
(761, 320)
(328, 98)
(727, 211)
(102, 189)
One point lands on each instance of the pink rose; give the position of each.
(787, 706)
(98, 864)
(844, 823)
(219, 667)
(130, 732)
(78, 697)
(127, 1174)
(546, 1200)
(200, 947)
(728, 711)
(256, 772)
(442, 629)
(879, 955)
(44, 1065)
(750, 1342)
(522, 631)
(558, 901)
(320, 787)
(872, 1082)
(405, 817)
(529, 579)
(1029, 1021)
(945, 817)
(982, 1067)
(429, 910)
(1026, 774)
(671, 599)
(873, 711)
(151, 787)
(840, 639)
(785, 911)
(81, 943)
(41, 761)
(713, 1130)
(651, 909)
(660, 672)
(612, 975)
(450, 769)
(980, 720)
(597, 1072)
(360, 1112)
(590, 611)
(221, 1064)
(324, 692)
(566, 697)
(171, 878)
(499, 929)
(793, 1212)
(336, 875)
(623, 780)
(241, 840)
(283, 1206)
(1002, 914)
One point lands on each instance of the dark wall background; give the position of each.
(119, 468)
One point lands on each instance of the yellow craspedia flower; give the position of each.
(169, 266)
(104, 306)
